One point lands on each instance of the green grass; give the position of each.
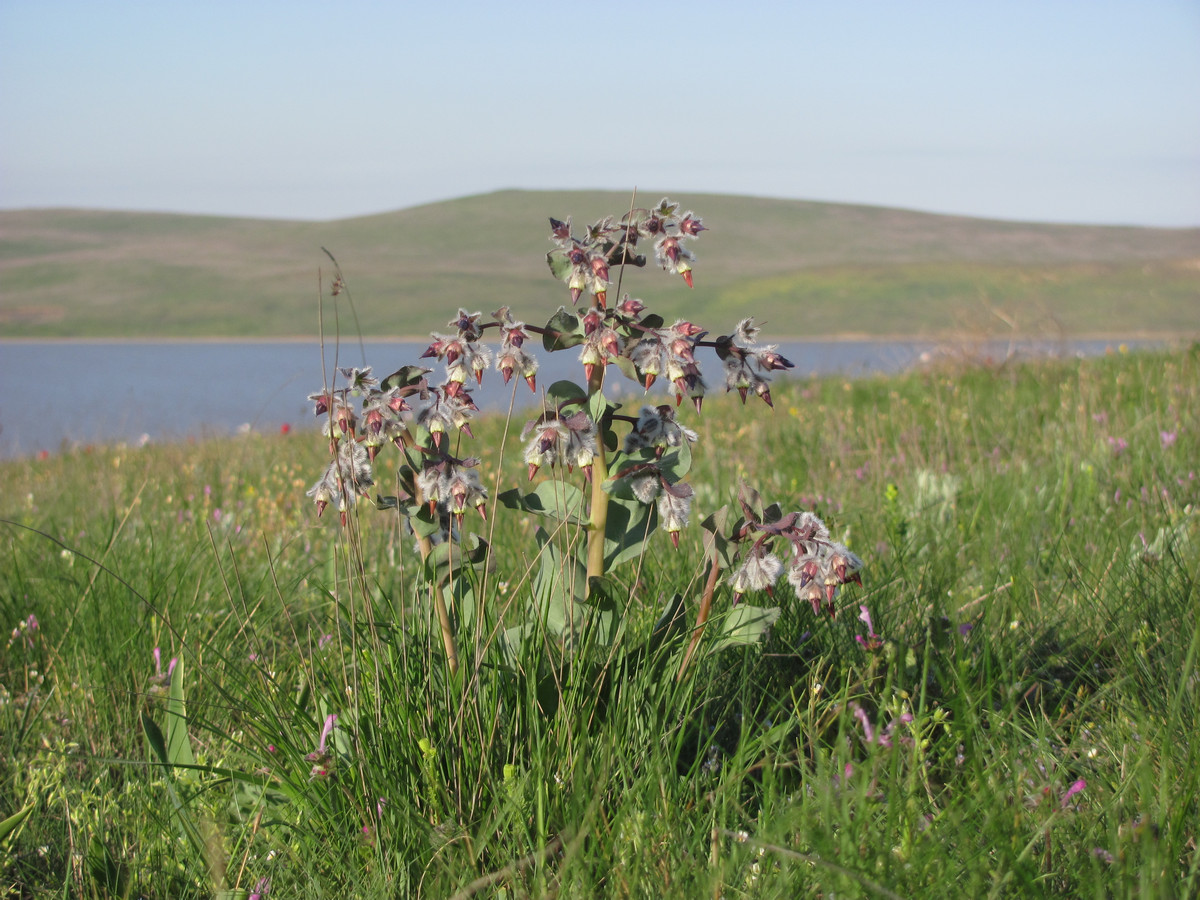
(70, 273)
(1041, 505)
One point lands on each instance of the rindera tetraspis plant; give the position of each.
(615, 478)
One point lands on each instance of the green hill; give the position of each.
(809, 269)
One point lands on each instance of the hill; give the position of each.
(809, 269)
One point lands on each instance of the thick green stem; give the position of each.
(439, 605)
(598, 520)
(598, 509)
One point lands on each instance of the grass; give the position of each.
(71, 273)
(1030, 534)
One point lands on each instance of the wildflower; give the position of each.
(447, 411)
(872, 641)
(359, 381)
(261, 889)
(1074, 789)
(323, 641)
(759, 572)
(656, 426)
(346, 476)
(321, 758)
(462, 488)
(512, 357)
(674, 506)
(160, 680)
(24, 631)
(543, 445)
(1167, 438)
(1117, 445)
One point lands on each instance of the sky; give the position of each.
(1051, 110)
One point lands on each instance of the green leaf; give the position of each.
(628, 369)
(629, 524)
(11, 827)
(179, 746)
(742, 626)
(716, 543)
(604, 609)
(564, 390)
(557, 500)
(676, 463)
(449, 557)
(403, 377)
(424, 523)
(559, 586)
(562, 331)
(560, 266)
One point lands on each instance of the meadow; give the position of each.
(1017, 717)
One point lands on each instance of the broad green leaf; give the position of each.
(562, 331)
(451, 556)
(564, 390)
(11, 826)
(556, 500)
(424, 523)
(716, 542)
(742, 625)
(603, 609)
(676, 463)
(560, 266)
(559, 586)
(629, 524)
(179, 746)
(403, 377)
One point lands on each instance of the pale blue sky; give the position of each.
(1049, 110)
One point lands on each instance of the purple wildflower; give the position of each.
(1168, 438)
(321, 758)
(261, 889)
(872, 641)
(1072, 791)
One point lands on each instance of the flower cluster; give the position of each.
(816, 565)
(556, 438)
(747, 363)
(584, 262)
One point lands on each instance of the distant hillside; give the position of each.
(809, 269)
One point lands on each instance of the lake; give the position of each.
(57, 394)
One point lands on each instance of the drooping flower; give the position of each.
(674, 508)
(758, 572)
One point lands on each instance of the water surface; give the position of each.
(56, 394)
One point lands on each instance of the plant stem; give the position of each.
(598, 509)
(710, 587)
(439, 604)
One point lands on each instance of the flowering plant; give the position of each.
(614, 478)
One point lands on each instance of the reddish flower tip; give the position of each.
(533, 468)
(531, 380)
(687, 277)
